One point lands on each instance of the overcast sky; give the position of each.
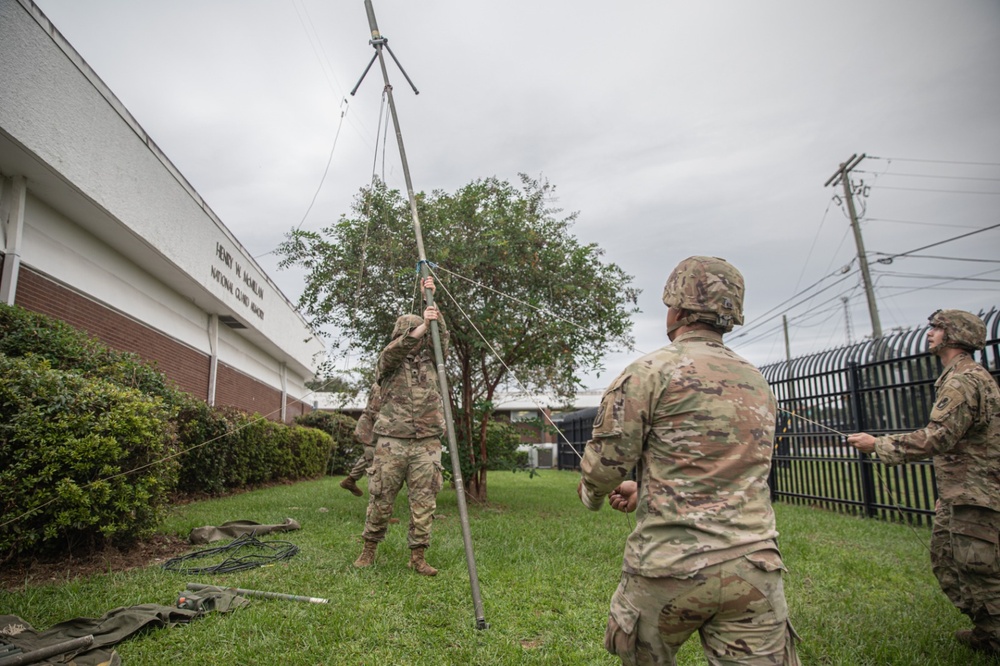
(673, 128)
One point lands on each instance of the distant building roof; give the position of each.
(517, 401)
(507, 402)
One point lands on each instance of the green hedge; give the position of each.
(68, 448)
(502, 440)
(229, 449)
(311, 448)
(345, 450)
(75, 415)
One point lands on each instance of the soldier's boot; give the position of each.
(978, 640)
(367, 556)
(419, 564)
(352, 485)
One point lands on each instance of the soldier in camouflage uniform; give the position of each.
(365, 435)
(408, 427)
(697, 423)
(963, 438)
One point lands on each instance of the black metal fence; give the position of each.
(576, 427)
(878, 386)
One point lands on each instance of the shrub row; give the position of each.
(93, 441)
(502, 440)
(345, 450)
(226, 449)
(68, 445)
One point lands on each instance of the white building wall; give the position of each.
(56, 246)
(109, 214)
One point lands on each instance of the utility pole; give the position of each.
(788, 362)
(788, 347)
(842, 176)
(847, 321)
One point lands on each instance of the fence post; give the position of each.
(866, 475)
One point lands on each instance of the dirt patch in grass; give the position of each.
(58, 569)
(37, 571)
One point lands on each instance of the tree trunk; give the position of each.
(476, 486)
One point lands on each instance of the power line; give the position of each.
(843, 270)
(924, 175)
(737, 340)
(918, 276)
(921, 189)
(888, 259)
(904, 159)
(758, 323)
(934, 256)
(946, 281)
(805, 264)
(843, 177)
(928, 224)
(909, 289)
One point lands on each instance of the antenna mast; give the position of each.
(379, 43)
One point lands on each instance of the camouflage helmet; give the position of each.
(405, 324)
(961, 329)
(708, 287)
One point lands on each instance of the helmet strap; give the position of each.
(687, 320)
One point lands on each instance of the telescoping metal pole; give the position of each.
(379, 42)
(195, 587)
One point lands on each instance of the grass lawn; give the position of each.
(860, 591)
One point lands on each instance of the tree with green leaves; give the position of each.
(528, 306)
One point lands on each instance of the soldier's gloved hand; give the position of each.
(625, 497)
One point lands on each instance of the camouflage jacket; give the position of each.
(963, 436)
(363, 431)
(411, 396)
(699, 422)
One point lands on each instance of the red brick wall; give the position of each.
(234, 388)
(188, 367)
(297, 407)
(184, 365)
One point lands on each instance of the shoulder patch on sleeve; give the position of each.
(609, 412)
(948, 399)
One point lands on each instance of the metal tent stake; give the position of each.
(378, 42)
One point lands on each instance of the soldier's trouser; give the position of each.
(417, 462)
(363, 463)
(965, 558)
(737, 607)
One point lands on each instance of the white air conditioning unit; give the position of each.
(542, 456)
(545, 456)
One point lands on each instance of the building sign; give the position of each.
(237, 281)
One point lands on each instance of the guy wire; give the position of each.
(544, 311)
(882, 481)
(541, 410)
(497, 355)
(263, 417)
